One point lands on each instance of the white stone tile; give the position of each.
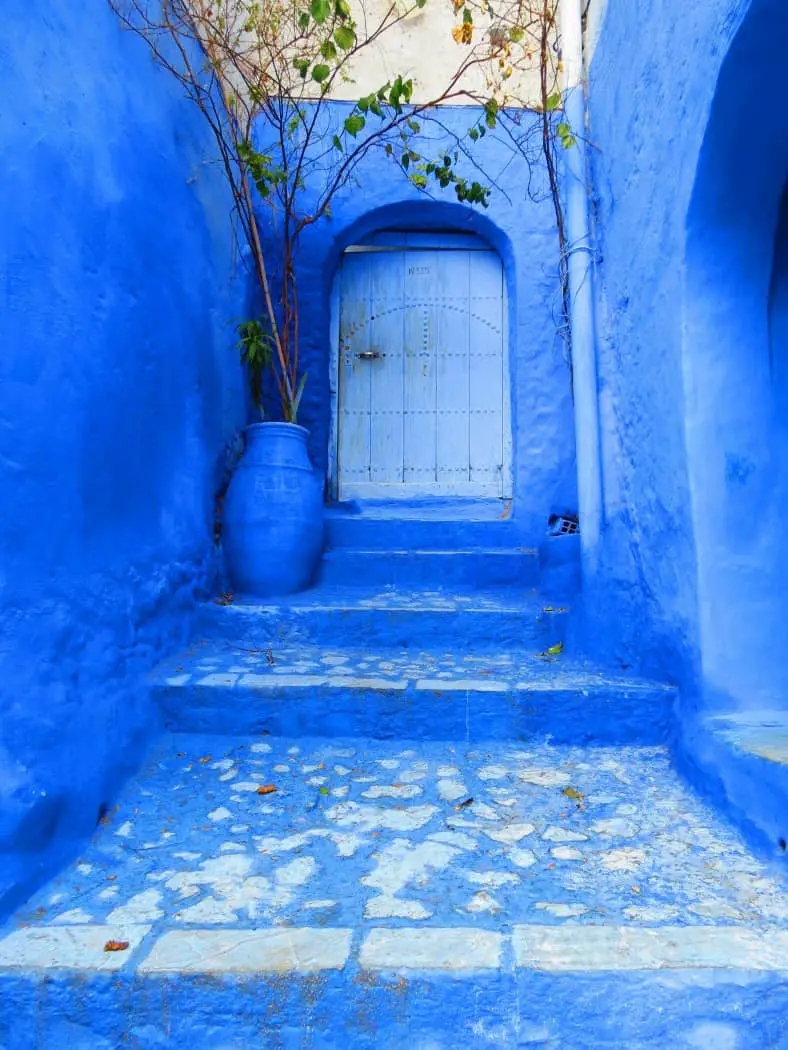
(493, 772)
(599, 948)
(462, 685)
(556, 834)
(453, 950)
(625, 859)
(218, 679)
(562, 910)
(142, 907)
(391, 685)
(283, 681)
(74, 916)
(178, 679)
(393, 791)
(615, 827)
(68, 947)
(384, 907)
(454, 838)
(261, 749)
(543, 777)
(493, 879)
(481, 903)
(566, 853)
(221, 813)
(281, 950)
(522, 858)
(451, 790)
(366, 816)
(510, 834)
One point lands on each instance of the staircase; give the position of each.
(388, 813)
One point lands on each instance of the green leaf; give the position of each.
(354, 123)
(420, 3)
(302, 65)
(321, 10)
(337, 144)
(414, 126)
(474, 134)
(345, 37)
(553, 101)
(405, 161)
(297, 399)
(303, 20)
(342, 8)
(321, 73)
(363, 104)
(516, 34)
(328, 50)
(467, 16)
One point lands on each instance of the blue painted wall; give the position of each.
(523, 233)
(693, 299)
(119, 389)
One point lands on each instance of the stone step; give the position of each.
(466, 619)
(385, 694)
(483, 525)
(482, 567)
(402, 895)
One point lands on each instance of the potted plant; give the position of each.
(265, 76)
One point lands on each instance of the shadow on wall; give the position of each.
(119, 387)
(736, 371)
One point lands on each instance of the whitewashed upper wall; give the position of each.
(421, 47)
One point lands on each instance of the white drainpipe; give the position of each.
(581, 297)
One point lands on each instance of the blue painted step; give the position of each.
(465, 620)
(440, 526)
(479, 567)
(402, 896)
(384, 695)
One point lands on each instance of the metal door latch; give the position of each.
(370, 355)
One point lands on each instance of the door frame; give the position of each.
(395, 241)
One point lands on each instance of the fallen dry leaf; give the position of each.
(116, 946)
(266, 789)
(463, 805)
(571, 792)
(205, 758)
(636, 889)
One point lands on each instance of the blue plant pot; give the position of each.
(272, 520)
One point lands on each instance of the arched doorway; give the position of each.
(735, 353)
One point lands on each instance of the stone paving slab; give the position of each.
(69, 947)
(226, 664)
(437, 835)
(249, 951)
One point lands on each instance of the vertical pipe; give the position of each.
(581, 298)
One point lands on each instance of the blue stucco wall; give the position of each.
(693, 295)
(119, 389)
(648, 112)
(522, 231)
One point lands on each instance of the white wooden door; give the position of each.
(423, 395)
